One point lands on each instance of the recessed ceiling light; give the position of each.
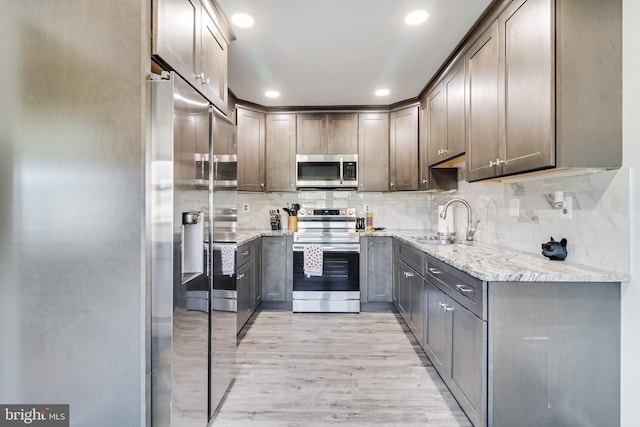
(382, 92)
(272, 94)
(416, 17)
(242, 20)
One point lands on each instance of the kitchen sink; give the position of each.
(435, 240)
(440, 240)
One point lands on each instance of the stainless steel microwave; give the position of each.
(327, 171)
(225, 170)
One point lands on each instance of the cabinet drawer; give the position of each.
(465, 289)
(413, 257)
(246, 253)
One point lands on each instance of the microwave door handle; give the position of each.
(341, 171)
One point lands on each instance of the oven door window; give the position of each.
(318, 171)
(340, 272)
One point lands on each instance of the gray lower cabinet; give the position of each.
(277, 268)
(249, 291)
(376, 272)
(524, 354)
(409, 286)
(455, 342)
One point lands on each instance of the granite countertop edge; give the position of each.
(485, 261)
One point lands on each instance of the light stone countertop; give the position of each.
(485, 261)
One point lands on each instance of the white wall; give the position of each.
(631, 158)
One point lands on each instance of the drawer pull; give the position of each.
(408, 274)
(434, 271)
(465, 289)
(245, 253)
(240, 276)
(442, 305)
(448, 308)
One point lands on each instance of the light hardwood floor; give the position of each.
(308, 369)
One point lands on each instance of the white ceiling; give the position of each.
(338, 52)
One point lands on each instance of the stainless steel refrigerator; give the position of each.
(192, 347)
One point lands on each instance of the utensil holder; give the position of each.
(292, 223)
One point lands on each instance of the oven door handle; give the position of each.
(351, 248)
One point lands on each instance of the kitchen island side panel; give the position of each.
(554, 354)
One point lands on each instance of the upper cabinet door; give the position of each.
(281, 152)
(482, 106)
(527, 76)
(454, 88)
(403, 149)
(436, 124)
(311, 139)
(251, 150)
(176, 36)
(373, 152)
(213, 75)
(327, 133)
(342, 133)
(187, 38)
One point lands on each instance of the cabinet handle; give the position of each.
(392, 184)
(240, 276)
(262, 185)
(425, 181)
(448, 308)
(244, 253)
(442, 305)
(434, 271)
(408, 274)
(465, 289)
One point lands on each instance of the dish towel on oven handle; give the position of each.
(313, 260)
(228, 259)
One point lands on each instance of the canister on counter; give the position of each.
(369, 216)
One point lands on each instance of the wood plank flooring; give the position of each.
(308, 369)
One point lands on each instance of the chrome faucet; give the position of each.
(471, 228)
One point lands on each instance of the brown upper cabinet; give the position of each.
(373, 152)
(281, 152)
(544, 89)
(251, 150)
(445, 116)
(403, 149)
(328, 133)
(190, 37)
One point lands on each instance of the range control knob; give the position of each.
(351, 212)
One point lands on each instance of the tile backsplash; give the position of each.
(517, 213)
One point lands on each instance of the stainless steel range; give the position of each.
(336, 286)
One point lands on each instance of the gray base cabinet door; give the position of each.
(436, 342)
(376, 271)
(418, 307)
(455, 341)
(245, 278)
(467, 371)
(277, 270)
